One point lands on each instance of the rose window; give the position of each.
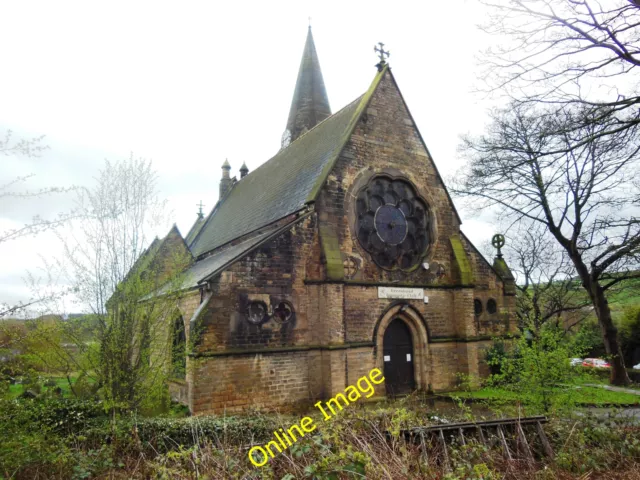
(392, 223)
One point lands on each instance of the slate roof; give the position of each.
(195, 228)
(283, 185)
(218, 261)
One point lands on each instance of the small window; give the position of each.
(477, 307)
(491, 306)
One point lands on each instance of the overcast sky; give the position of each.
(188, 84)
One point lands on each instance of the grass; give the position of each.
(18, 389)
(578, 392)
(579, 395)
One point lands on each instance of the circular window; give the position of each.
(477, 307)
(491, 306)
(257, 312)
(392, 223)
(282, 313)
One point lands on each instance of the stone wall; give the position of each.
(386, 140)
(272, 273)
(234, 382)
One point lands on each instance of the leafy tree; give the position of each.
(630, 335)
(126, 281)
(587, 340)
(538, 363)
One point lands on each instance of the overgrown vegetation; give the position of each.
(73, 439)
(123, 351)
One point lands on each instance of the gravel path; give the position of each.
(613, 389)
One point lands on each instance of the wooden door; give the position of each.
(398, 358)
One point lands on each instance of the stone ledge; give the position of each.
(480, 338)
(356, 283)
(291, 349)
(177, 381)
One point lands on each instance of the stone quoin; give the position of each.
(282, 300)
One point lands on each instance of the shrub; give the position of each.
(538, 364)
(630, 335)
(167, 433)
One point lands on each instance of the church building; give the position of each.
(340, 254)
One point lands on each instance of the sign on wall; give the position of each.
(399, 292)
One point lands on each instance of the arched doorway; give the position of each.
(398, 358)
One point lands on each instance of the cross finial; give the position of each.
(309, 22)
(498, 242)
(382, 53)
(200, 205)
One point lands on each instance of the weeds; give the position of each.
(364, 442)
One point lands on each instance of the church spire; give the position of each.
(310, 104)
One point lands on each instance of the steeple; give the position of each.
(310, 104)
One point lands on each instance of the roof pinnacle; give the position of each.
(310, 104)
(382, 53)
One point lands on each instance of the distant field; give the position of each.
(17, 389)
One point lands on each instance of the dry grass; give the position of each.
(361, 442)
(356, 445)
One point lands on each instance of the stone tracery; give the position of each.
(392, 223)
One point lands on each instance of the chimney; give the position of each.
(225, 182)
(243, 170)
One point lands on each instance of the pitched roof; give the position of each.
(310, 104)
(195, 228)
(207, 267)
(284, 184)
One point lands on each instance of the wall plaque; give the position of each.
(399, 292)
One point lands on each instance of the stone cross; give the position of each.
(200, 205)
(498, 242)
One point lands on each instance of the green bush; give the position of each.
(495, 356)
(587, 340)
(49, 414)
(630, 334)
(538, 364)
(166, 433)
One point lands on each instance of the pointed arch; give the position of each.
(178, 348)
(419, 335)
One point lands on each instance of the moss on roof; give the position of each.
(461, 260)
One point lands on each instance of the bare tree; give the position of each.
(546, 289)
(531, 167)
(115, 269)
(567, 52)
(28, 148)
